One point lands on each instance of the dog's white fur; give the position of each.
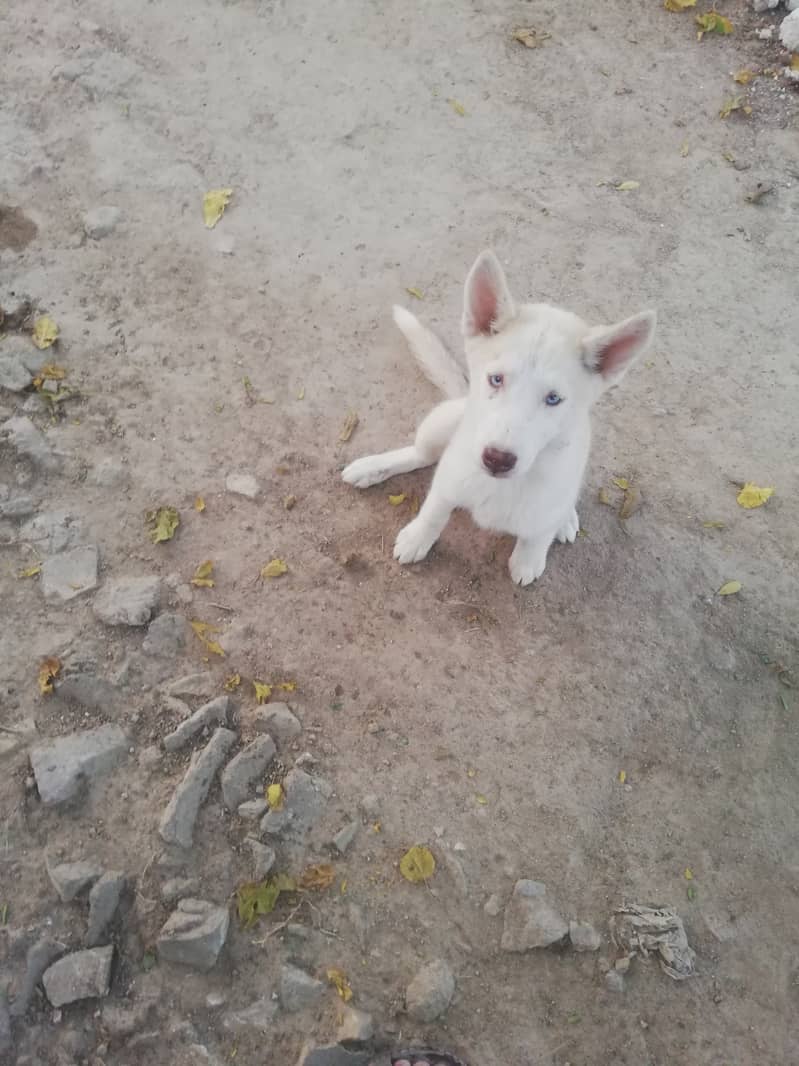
(517, 357)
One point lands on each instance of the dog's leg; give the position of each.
(416, 539)
(529, 559)
(569, 530)
(432, 437)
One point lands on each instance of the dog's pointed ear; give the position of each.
(487, 303)
(610, 351)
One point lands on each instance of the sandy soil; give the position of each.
(442, 686)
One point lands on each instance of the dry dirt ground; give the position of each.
(490, 722)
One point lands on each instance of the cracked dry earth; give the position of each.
(560, 749)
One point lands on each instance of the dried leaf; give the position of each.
(729, 588)
(743, 77)
(289, 502)
(262, 691)
(164, 522)
(735, 103)
(530, 37)
(339, 979)
(678, 5)
(275, 797)
(622, 776)
(712, 22)
(603, 497)
(752, 496)
(713, 525)
(758, 192)
(45, 332)
(415, 292)
(202, 575)
(255, 898)
(202, 629)
(627, 186)
(350, 422)
(395, 501)
(691, 892)
(48, 670)
(232, 682)
(684, 148)
(630, 503)
(317, 878)
(274, 568)
(30, 571)
(214, 204)
(481, 799)
(457, 107)
(621, 483)
(688, 874)
(795, 61)
(288, 686)
(199, 504)
(301, 392)
(784, 701)
(417, 864)
(49, 372)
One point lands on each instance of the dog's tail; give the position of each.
(431, 355)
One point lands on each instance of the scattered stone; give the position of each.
(614, 981)
(177, 822)
(14, 375)
(430, 992)
(194, 934)
(306, 759)
(52, 532)
(370, 806)
(215, 1000)
(62, 766)
(244, 769)
(30, 443)
(276, 823)
(86, 689)
(39, 956)
(101, 221)
(212, 713)
(258, 1017)
(456, 872)
(15, 307)
(79, 975)
(242, 485)
(306, 798)
(530, 921)
(789, 31)
(263, 855)
(332, 1055)
(764, 5)
(251, 810)
(360, 923)
(127, 601)
(298, 989)
(179, 888)
(122, 1019)
(103, 902)
(584, 937)
(71, 878)
(279, 722)
(192, 685)
(493, 905)
(17, 507)
(356, 1025)
(166, 636)
(70, 574)
(344, 838)
(108, 473)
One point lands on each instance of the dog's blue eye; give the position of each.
(552, 399)
(496, 381)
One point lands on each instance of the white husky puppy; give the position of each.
(512, 440)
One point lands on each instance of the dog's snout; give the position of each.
(498, 462)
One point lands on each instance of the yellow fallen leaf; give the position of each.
(48, 670)
(457, 107)
(274, 797)
(289, 502)
(417, 864)
(202, 575)
(689, 874)
(214, 203)
(603, 497)
(729, 588)
(164, 522)
(274, 568)
(684, 148)
(415, 292)
(202, 629)
(45, 332)
(471, 772)
(395, 501)
(343, 889)
(377, 827)
(712, 22)
(752, 496)
(678, 5)
(255, 898)
(795, 61)
(339, 979)
(49, 372)
(232, 682)
(288, 686)
(481, 799)
(301, 392)
(31, 571)
(627, 186)
(199, 504)
(531, 38)
(317, 878)
(713, 525)
(735, 103)
(743, 77)
(262, 691)
(622, 776)
(630, 503)
(621, 483)
(350, 422)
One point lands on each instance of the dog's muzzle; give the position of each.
(498, 462)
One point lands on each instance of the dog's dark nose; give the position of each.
(498, 462)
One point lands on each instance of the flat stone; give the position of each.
(356, 1026)
(177, 822)
(298, 989)
(52, 532)
(38, 957)
(108, 473)
(179, 888)
(584, 937)
(263, 856)
(79, 975)
(101, 221)
(194, 934)
(242, 485)
(214, 712)
(82, 686)
(127, 601)
(17, 507)
(30, 443)
(14, 375)
(63, 765)
(334, 1055)
(279, 721)
(305, 802)
(166, 635)
(430, 992)
(253, 809)
(103, 902)
(122, 1019)
(493, 905)
(70, 574)
(344, 838)
(202, 684)
(258, 1017)
(71, 878)
(245, 769)
(614, 981)
(530, 920)
(276, 823)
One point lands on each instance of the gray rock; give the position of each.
(258, 1017)
(370, 806)
(39, 956)
(215, 1000)
(430, 992)
(122, 1019)
(279, 722)
(333, 1055)
(101, 221)
(87, 689)
(253, 809)
(52, 531)
(614, 981)
(63, 765)
(79, 975)
(177, 822)
(584, 937)
(30, 443)
(493, 905)
(789, 31)
(15, 307)
(127, 601)
(5, 1024)
(192, 685)
(179, 888)
(245, 769)
(71, 878)
(103, 902)
(108, 473)
(764, 5)
(263, 856)
(70, 574)
(17, 507)
(344, 838)
(298, 989)
(166, 635)
(276, 823)
(356, 1026)
(212, 713)
(242, 485)
(306, 799)
(530, 921)
(14, 375)
(194, 934)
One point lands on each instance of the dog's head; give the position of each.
(535, 370)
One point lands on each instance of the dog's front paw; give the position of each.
(370, 470)
(527, 564)
(569, 530)
(413, 542)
